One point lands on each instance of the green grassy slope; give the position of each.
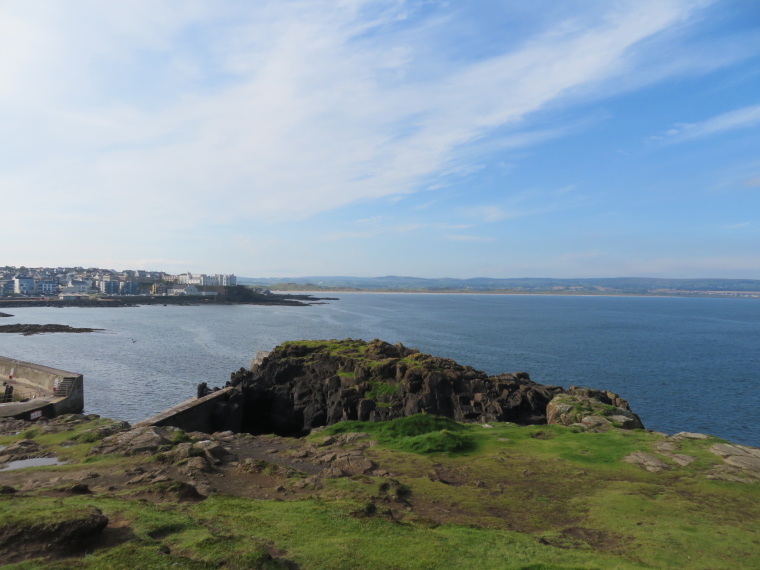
(457, 496)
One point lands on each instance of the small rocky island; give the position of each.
(27, 330)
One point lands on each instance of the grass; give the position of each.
(236, 533)
(378, 389)
(501, 497)
(418, 434)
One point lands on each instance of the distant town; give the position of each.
(73, 283)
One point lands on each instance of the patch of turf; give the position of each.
(420, 433)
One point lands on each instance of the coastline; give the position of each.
(296, 300)
(752, 295)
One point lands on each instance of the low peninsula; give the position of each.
(28, 330)
(508, 474)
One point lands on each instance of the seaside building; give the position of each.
(47, 286)
(128, 287)
(218, 280)
(183, 289)
(158, 288)
(23, 285)
(108, 287)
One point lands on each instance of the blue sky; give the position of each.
(374, 137)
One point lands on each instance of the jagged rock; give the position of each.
(180, 452)
(353, 464)
(101, 432)
(213, 450)
(304, 385)
(142, 440)
(333, 473)
(198, 464)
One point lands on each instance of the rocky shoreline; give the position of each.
(136, 301)
(413, 460)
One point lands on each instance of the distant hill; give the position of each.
(602, 285)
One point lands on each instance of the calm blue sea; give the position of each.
(684, 364)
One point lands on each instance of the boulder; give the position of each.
(353, 464)
(580, 408)
(138, 441)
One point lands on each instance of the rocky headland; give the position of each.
(302, 385)
(402, 460)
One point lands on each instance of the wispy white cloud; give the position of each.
(752, 182)
(743, 118)
(277, 110)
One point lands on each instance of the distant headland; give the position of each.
(634, 286)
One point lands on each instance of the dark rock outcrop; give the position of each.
(28, 330)
(307, 384)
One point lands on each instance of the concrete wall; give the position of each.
(43, 377)
(197, 414)
(72, 403)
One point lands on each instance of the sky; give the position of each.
(487, 138)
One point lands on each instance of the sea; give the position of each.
(684, 364)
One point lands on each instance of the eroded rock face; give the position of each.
(43, 538)
(307, 384)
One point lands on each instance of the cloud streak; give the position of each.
(743, 118)
(279, 110)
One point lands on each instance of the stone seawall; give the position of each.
(27, 377)
(209, 414)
